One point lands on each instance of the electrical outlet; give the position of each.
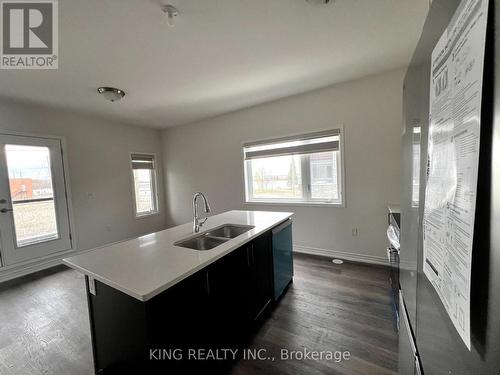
(354, 232)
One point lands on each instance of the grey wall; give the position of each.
(206, 156)
(98, 154)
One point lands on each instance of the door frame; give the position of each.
(69, 200)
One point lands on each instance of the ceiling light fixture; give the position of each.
(171, 12)
(320, 2)
(111, 93)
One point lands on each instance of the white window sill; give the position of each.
(147, 214)
(303, 204)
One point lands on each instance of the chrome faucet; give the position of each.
(197, 222)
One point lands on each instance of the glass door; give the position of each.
(34, 218)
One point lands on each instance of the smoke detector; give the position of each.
(320, 2)
(111, 93)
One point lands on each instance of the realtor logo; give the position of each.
(29, 34)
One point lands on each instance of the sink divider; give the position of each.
(216, 237)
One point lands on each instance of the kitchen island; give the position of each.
(153, 303)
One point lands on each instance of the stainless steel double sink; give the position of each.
(214, 237)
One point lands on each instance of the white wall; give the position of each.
(98, 154)
(206, 156)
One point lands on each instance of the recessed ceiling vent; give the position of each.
(320, 2)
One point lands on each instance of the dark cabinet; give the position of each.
(214, 308)
(130, 336)
(240, 287)
(260, 275)
(227, 286)
(186, 303)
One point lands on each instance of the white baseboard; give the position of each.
(25, 268)
(372, 259)
(13, 272)
(16, 272)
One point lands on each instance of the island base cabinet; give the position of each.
(134, 337)
(227, 285)
(260, 287)
(217, 307)
(118, 329)
(240, 291)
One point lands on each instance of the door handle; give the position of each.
(5, 210)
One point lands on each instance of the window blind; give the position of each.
(302, 144)
(143, 161)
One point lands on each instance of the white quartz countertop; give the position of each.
(144, 267)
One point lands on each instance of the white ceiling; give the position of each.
(221, 56)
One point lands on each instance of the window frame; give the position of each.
(341, 203)
(73, 233)
(154, 186)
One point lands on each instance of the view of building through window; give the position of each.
(32, 195)
(324, 183)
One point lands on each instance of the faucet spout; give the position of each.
(197, 222)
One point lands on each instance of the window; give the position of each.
(301, 169)
(32, 194)
(35, 222)
(144, 182)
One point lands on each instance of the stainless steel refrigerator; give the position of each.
(428, 341)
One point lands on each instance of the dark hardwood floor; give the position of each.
(44, 326)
